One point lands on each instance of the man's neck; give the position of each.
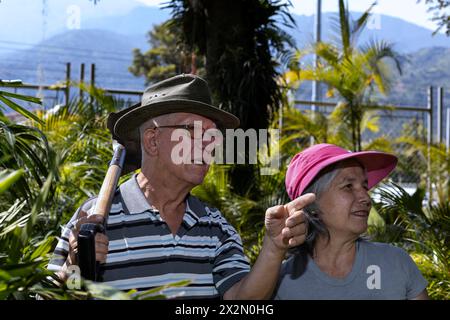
(167, 197)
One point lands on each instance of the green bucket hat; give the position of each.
(182, 93)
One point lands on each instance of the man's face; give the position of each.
(181, 152)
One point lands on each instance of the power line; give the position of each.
(117, 52)
(83, 56)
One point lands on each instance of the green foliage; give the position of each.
(438, 281)
(23, 255)
(438, 173)
(440, 14)
(298, 126)
(78, 134)
(239, 47)
(349, 72)
(33, 199)
(244, 210)
(166, 57)
(422, 229)
(5, 98)
(59, 159)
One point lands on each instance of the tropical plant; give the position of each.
(27, 164)
(239, 47)
(353, 73)
(440, 14)
(246, 211)
(166, 57)
(23, 252)
(5, 98)
(422, 229)
(77, 133)
(432, 162)
(298, 126)
(76, 145)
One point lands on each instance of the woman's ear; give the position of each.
(150, 141)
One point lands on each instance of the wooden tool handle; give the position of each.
(106, 195)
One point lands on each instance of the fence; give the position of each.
(425, 123)
(62, 92)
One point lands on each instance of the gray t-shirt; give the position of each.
(380, 271)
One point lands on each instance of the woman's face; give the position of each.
(345, 205)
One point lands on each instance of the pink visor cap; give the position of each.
(306, 165)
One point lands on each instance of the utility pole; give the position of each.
(317, 35)
(82, 69)
(67, 90)
(430, 141)
(44, 18)
(440, 111)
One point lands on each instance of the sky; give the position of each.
(408, 10)
(27, 16)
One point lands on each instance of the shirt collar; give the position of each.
(136, 202)
(133, 197)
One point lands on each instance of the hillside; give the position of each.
(110, 48)
(45, 63)
(406, 36)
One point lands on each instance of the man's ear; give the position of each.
(150, 141)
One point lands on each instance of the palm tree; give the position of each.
(238, 39)
(351, 72)
(298, 126)
(423, 230)
(437, 174)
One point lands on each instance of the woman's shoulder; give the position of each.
(384, 249)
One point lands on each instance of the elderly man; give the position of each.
(156, 232)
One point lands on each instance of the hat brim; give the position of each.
(132, 148)
(124, 125)
(127, 126)
(378, 166)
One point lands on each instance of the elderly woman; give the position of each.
(335, 262)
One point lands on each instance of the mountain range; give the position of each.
(108, 42)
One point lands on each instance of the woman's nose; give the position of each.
(364, 197)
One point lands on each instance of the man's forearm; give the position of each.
(261, 280)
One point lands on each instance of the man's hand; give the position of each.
(285, 228)
(101, 240)
(286, 225)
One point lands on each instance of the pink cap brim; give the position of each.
(378, 165)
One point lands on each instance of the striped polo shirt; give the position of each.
(143, 253)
